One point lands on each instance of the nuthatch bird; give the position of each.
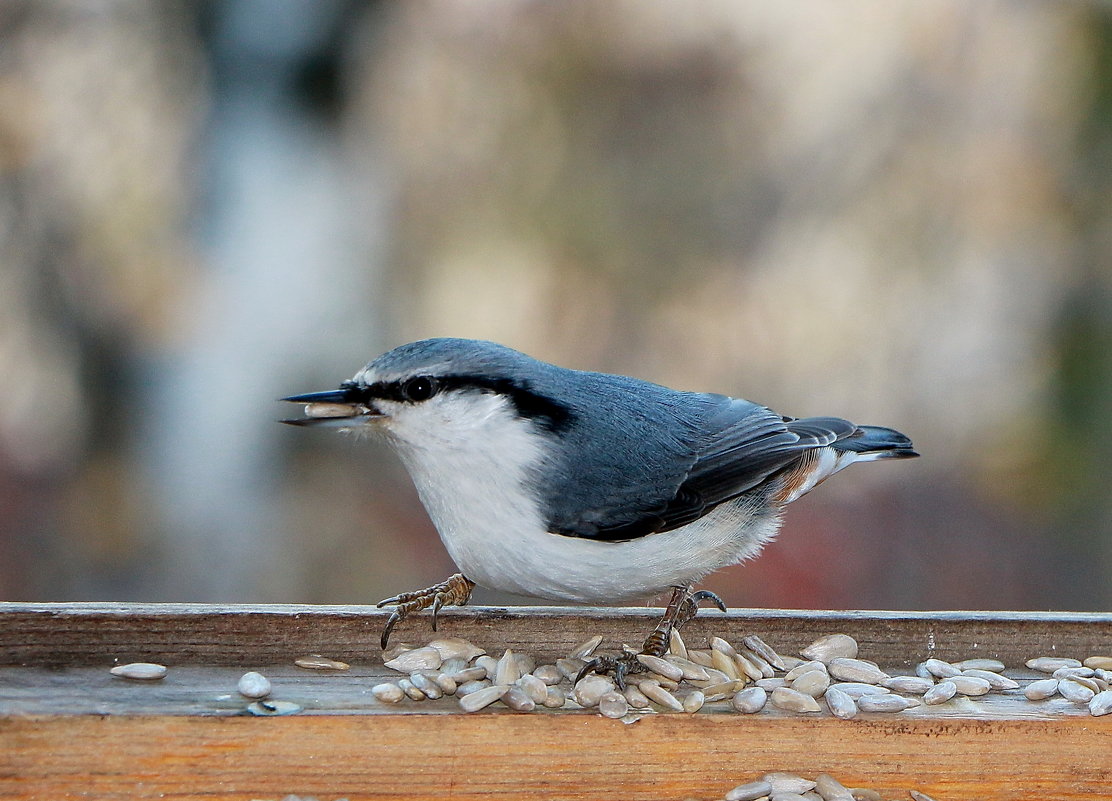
(581, 486)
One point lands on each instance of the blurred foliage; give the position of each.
(896, 212)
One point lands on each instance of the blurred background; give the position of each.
(896, 212)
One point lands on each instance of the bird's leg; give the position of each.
(453, 591)
(682, 607)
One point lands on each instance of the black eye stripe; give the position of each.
(545, 411)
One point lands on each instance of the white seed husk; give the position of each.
(415, 659)
(658, 695)
(446, 683)
(885, 703)
(940, 693)
(454, 665)
(412, 690)
(1074, 691)
(585, 648)
(970, 685)
(700, 657)
(426, 685)
(750, 668)
(840, 705)
(1101, 662)
(661, 667)
(1071, 672)
(480, 699)
(140, 671)
(993, 665)
(636, 698)
(555, 698)
(253, 685)
(694, 701)
(941, 669)
(750, 700)
(1041, 689)
(506, 672)
(773, 683)
(995, 680)
(723, 647)
(469, 687)
(469, 674)
(388, 692)
(916, 685)
(676, 645)
(856, 689)
(549, 674)
(805, 667)
(764, 651)
(831, 647)
(846, 669)
(864, 794)
(750, 791)
(830, 789)
(517, 700)
(724, 663)
(456, 647)
(488, 663)
(812, 683)
(570, 667)
(590, 689)
(918, 796)
(533, 687)
(613, 705)
(692, 671)
(793, 700)
(1101, 703)
(766, 668)
(318, 662)
(788, 783)
(1048, 664)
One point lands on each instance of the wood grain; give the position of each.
(70, 730)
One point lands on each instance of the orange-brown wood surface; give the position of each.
(70, 730)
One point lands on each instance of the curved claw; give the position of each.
(620, 666)
(707, 595)
(437, 603)
(391, 621)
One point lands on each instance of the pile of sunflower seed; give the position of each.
(747, 677)
(779, 786)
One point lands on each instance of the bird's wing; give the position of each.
(745, 444)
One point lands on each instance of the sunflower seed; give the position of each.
(1102, 662)
(831, 647)
(994, 665)
(1048, 664)
(487, 663)
(1071, 672)
(469, 687)
(469, 674)
(676, 645)
(830, 789)
(1101, 703)
(720, 692)
(995, 680)
(253, 685)
(273, 708)
(856, 689)
(700, 657)
(764, 651)
(549, 674)
(1041, 689)
(915, 685)
(793, 700)
(1084, 681)
(694, 701)
(516, 699)
(635, 697)
(970, 685)
(586, 648)
(766, 668)
(570, 667)
(613, 705)
(791, 661)
(318, 662)
(454, 665)
(718, 677)
(840, 704)
(723, 647)
(725, 663)
(806, 667)
(788, 783)
(426, 685)
(943, 670)
(750, 791)
(533, 687)
(917, 796)
(1071, 690)
(864, 794)
(555, 698)
(506, 671)
(847, 669)
(661, 667)
(657, 694)
(940, 693)
(445, 682)
(748, 666)
(412, 690)
(480, 699)
(790, 797)
(885, 703)
(388, 692)
(692, 671)
(456, 647)
(750, 700)
(812, 683)
(772, 684)
(415, 659)
(141, 671)
(591, 688)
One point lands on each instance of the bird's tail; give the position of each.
(876, 442)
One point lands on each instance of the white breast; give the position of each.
(474, 485)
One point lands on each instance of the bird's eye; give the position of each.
(420, 388)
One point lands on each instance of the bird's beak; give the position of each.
(334, 408)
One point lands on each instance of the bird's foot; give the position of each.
(453, 591)
(682, 607)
